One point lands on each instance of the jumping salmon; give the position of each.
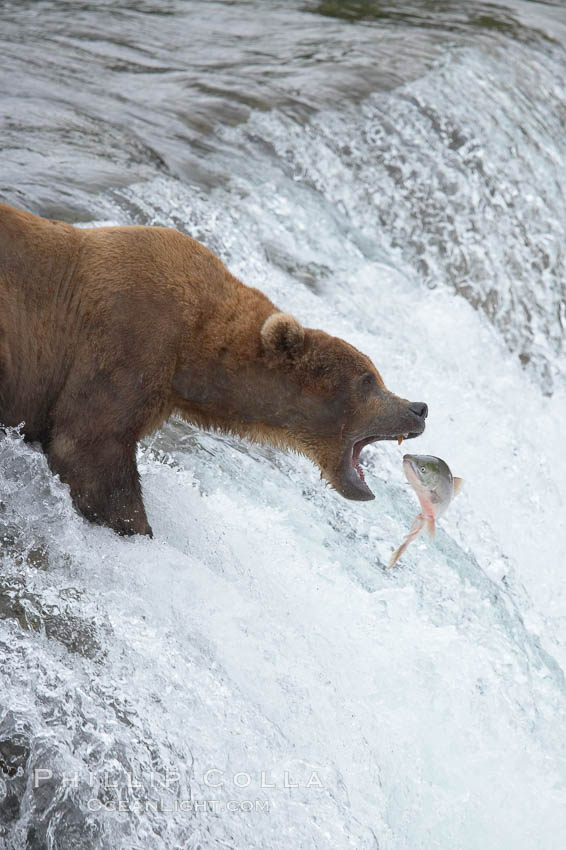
(434, 484)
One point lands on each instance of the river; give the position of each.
(254, 677)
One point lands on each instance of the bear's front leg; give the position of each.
(104, 480)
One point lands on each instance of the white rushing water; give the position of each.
(258, 640)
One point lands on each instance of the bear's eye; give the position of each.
(367, 381)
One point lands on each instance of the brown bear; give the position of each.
(105, 332)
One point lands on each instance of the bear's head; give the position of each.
(332, 401)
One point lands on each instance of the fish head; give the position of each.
(431, 479)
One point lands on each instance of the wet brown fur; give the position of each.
(105, 332)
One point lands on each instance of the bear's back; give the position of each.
(153, 259)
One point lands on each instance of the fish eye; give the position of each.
(423, 468)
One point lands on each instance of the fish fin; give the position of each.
(429, 525)
(417, 527)
(458, 482)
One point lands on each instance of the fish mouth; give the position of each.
(410, 469)
(353, 479)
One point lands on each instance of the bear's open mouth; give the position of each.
(354, 474)
(356, 449)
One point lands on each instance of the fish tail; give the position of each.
(397, 553)
(417, 527)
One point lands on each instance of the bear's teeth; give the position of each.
(400, 440)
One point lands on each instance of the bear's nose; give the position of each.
(419, 408)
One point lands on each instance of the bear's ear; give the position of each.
(283, 334)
